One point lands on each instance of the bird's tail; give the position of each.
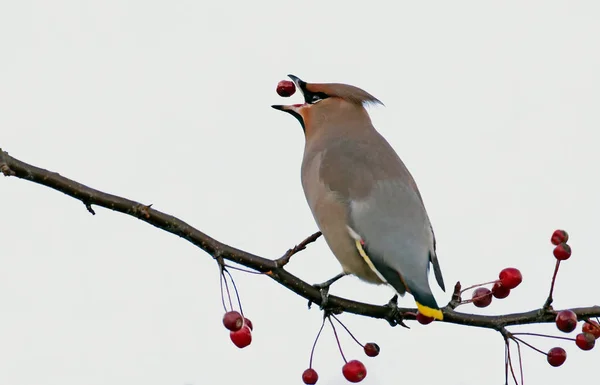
(427, 305)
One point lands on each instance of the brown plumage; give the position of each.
(363, 198)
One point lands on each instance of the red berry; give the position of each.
(559, 236)
(591, 327)
(585, 341)
(371, 349)
(242, 337)
(423, 319)
(482, 297)
(510, 277)
(249, 323)
(310, 376)
(354, 371)
(557, 356)
(233, 321)
(566, 321)
(500, 291)
(286, 88)
(562, 251)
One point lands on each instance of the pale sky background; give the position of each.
(493, 106)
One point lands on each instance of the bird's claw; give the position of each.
(324, 290)
(394, 317)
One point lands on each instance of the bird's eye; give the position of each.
(315, 99)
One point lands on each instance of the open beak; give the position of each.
(293, 108)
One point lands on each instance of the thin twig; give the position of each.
(285, 259)
(548, 303)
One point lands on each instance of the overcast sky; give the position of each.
(493, 107)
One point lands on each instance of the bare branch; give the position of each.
(10, 166)
(281, 262)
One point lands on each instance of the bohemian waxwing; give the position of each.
(364, 200)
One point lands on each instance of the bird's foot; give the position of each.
(394, 317)
(324, 289)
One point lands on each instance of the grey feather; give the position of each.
(385, 209)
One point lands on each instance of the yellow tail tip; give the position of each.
(429, 312)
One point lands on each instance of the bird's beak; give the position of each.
(293, 108)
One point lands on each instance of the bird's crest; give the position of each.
(347, 92)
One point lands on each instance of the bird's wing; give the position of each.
(385, 213)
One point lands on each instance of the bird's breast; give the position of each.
(330, 212)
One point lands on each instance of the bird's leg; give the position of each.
(394, 317)
(324, 289)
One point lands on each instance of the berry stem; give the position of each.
(226, 287)
(348, 330)
(222, 293)
(520, 362)
(474, 298)
(543, 335)
(517, 339)
(550, 299)
(243, 270)
(237, 294)
(312, 352)
(478, 285)
(337, 339)
(506, 360)
(512, 370)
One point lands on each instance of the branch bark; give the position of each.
(10, 166)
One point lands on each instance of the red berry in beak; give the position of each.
(286, 88)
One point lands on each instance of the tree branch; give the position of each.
(10, 166)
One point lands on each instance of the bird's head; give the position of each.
(327, 102)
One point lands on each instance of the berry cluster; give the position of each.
(240, 328)
(508, 279)
(353, 370)
(566, 320)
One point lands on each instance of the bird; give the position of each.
(363, 199)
